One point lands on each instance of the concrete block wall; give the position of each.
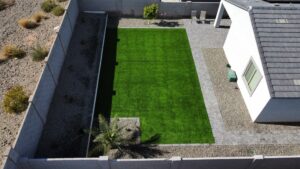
(140, 164)
(135, 7)
(36, 114)
(292, 162)
(215, 163)
(60, 163)
(255, 162)
(183, 9)
(125, 7)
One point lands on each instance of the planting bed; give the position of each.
(72, 105)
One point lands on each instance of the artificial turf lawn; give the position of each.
(155, 80)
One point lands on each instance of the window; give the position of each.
(251, 76)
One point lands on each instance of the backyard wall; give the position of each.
(256, 162)
(135, 7)
(36, 115)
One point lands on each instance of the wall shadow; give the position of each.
(107, 73)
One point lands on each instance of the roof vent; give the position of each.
(297, 82)
(281, 20)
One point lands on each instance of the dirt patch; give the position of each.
(23, 71)
(72, 104)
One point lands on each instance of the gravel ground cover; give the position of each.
(155, 79)
(226, 150)
(233, 109)
(23, 71)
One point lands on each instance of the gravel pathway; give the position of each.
(23, 71)
(205, 36)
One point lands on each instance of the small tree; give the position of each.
(151, 11)
(108, 136)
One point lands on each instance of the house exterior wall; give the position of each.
(239, 47)
(281, 110)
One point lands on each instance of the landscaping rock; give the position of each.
(23, 71)
(130, 128)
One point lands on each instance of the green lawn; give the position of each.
(155, 79)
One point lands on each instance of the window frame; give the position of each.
(251, 61)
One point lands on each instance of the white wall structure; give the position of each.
(135, 7)
(255, 162)
(239, 47)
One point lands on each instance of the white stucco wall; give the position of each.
(239, 47)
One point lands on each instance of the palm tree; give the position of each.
(108, 136)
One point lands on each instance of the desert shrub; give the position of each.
(58, 11)
(27, 23)
(2, 5)
(151, 11)
(6, 3)
(37, 17)
(11, 51)
(39, 53)
(48, 5)
(15, 100)
(108, 136)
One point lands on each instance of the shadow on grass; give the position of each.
(146, 149)
(164, 23)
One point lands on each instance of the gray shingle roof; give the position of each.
(277, 30)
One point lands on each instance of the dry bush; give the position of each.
(39, 53)
(28, 23)
(39, 16)
(15, 100)
(2, 5)
(11, 51)
(48, 5)
(58, 11)
(6, 3)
